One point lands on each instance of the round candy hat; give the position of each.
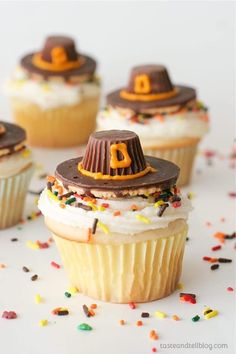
(149, 87)
(114, 165)
(59, 57)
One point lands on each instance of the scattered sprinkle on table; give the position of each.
(216, 248)
(67, 294)
(145, 314)
(34, 277)
(160, 314)
(38, 299)
(9, 315)
(175, 318)
(84, 327)
(43, 323)
(230, 288)
(215, 266)
(209, 313)
(196, 318)
(25, 269)
(14, 239)
(132, 305)
(139, 323)
(153, 335)
(122, 322)
(55, 265)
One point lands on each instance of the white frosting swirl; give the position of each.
(48, 94)
(14, 163)
(185, 124)
(128, 222)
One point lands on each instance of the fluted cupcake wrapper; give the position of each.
(181, 156)
(13, 191)
(120, 273)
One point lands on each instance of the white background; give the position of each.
(195, 40)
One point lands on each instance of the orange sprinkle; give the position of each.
(122, 322)
(89, 199)
(2, 266)
(219, 235)
(134, 207)
(62, 205)
(60, 190)
(175, 318)
(51, 179)
(91, 312)
(153, 335)
(139, 323)
(116, 213)
(93, 306)
(213, 260)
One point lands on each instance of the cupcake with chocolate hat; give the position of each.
(118, 220)
(16, 169)
(55, 94)
(168, 118)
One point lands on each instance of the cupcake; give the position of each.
(16, 169)
(168, 118)
(118, 220)
(55, 94)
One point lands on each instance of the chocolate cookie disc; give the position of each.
(12, 135)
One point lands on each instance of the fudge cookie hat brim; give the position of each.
(59, 58)
(150, 87)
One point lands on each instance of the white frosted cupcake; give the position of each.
(16, 169)
(169, 119)
(118, 220)
(55, 94)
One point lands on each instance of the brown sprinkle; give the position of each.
(34, 277)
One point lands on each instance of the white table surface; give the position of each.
(211, 185)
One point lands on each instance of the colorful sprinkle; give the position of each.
(104, 228)
(216, 248)
(132, 305)
(196, 318)
(175, 318)
(37, 299)
(160, 314)
(84, 327)
(9, 315)
(43, 323)
(55, 265)
(143, 219)
(139, 323)
(215, 266)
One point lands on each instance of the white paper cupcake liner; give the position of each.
(120, 273)
(181, 156)
(12, 197)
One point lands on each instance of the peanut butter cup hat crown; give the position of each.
(59, 58)
(149, 87)
(114, 164)
(12, 138)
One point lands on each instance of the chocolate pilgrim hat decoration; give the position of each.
(114, 163)
(150, 87)
(59, 58)
(12, 138)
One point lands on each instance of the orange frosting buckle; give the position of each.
(59, 61)
(114, 162)
(148, 97)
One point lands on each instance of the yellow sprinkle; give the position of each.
(143, 219)
(159, 203)
(43, 323)
(52, 196)
(211, 314)
(180, 286)
(93, 206)
(103, 227)
(73, 290)
(37, 299)
(190, 195)
(101, 208)
(160, 314)
(32, 245)
(26, 153)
